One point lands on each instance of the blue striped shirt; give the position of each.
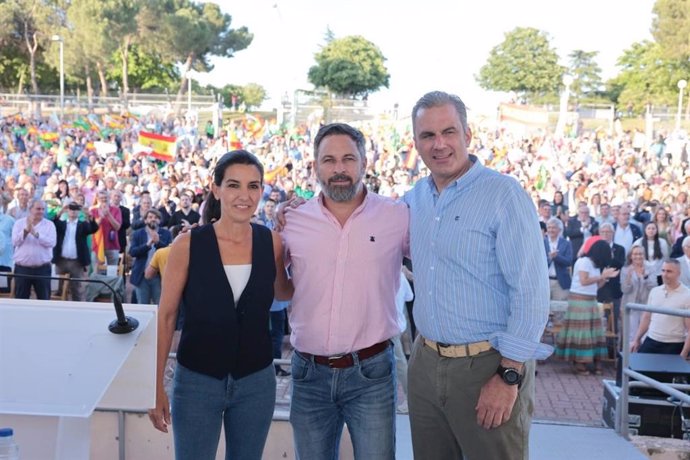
(478, 262)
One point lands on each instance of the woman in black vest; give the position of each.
(227, 274)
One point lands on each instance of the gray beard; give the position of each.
(339, 193)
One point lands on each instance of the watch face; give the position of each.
(511, 376)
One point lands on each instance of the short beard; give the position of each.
(152, 225)
(340, 193)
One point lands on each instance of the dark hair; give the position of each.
(600, 254)
(334, 129)
(437, 99)
(211, 211)
(657, 246)
(153, 211)
(236, 157)
(175, 230)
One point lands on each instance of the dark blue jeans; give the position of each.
(22, 286)
(661, 348)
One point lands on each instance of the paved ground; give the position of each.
(561, 395)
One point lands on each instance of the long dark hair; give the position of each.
(600, 254)
(211, 210)
(657, 246)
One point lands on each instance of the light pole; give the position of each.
(681, 86)
(57, 38)
(563, 112)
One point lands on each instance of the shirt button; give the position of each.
(437, 218)
(431, 268)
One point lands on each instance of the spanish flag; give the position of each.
(163, 147)
(98, 246)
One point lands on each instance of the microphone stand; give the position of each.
(121, 325)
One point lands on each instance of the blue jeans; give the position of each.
(363, 396)
(149, 291)
(201, 403)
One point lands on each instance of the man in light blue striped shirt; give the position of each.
(482, 297)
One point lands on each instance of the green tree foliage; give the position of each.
(28, 25)
(253, 95)
(195, 32)
(525, 62)
(647, 76)
(148, 71)
(671, 28)
(350, 67)
(586, 73)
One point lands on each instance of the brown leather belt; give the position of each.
(457, 351)
(348, 360)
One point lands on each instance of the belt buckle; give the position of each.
(332, 359)
(440, 345)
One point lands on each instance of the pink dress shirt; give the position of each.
(345, 278)
(32, 251)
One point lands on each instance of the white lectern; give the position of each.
(59, 361)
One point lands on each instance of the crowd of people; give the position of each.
(480, 275)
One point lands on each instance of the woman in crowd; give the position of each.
(559, 208)
(636, 282)
(582, 338)
(663, 224)
(655, 249)
(228, 274)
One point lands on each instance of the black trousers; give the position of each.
(23, 284)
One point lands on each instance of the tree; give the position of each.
(350, 66)
(253, 95)
(646, 76)
(195, 32)
(524, 62)
(586, 73)
(671, 28)
(31, 23)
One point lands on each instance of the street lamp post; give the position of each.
(681, 86)
(59, 39)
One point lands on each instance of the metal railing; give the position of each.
(671, 389)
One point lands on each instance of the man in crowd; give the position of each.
(605, 215)
(71, 253)
(6, 248)
(21, 209)
(684, 262)
(611, 292)
(116, 200)
(544, 211)
(344, 249)
(559, 255)
(145, 241)
(267, 213)
(666, 334)
(33, 238)
(185, 216)
(482, 296)
(625, 232)
(579, 228)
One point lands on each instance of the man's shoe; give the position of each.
(282, 373)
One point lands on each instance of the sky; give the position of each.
(428, 44)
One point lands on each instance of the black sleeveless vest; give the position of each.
(219, 338)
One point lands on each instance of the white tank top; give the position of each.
(238, 277)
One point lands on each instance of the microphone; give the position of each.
(121, 325)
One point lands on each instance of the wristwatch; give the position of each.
(510, 375)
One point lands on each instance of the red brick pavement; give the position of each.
(563, 396)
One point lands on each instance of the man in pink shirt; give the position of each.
(33, 238)
(345, 249)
